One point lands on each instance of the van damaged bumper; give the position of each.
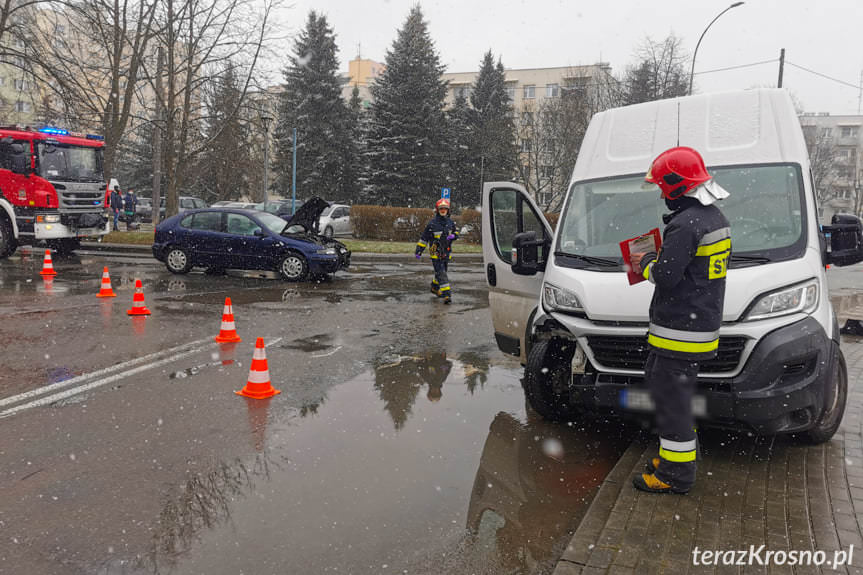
(779, 390)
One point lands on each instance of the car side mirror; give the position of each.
(846, 240)
(525, 254)
(259, 233)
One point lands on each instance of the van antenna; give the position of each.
(678, 123)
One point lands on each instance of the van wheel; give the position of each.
(835, 397)
(8, 243)
(547, 377)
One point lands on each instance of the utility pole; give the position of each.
(860, 93)
(157, 140)
(781, 66)
(294, 177)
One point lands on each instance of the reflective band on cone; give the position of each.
(258, 385)
(228, 331)
(48, 265)
(105, 290)
(138, 307)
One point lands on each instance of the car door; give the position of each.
(204, 237)
(338, 220)
(507, 209)
(244, 248)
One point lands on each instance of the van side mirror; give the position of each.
(525, 254)
(846, 240)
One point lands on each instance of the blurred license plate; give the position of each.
(637, 400)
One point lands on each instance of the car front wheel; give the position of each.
(293, 267)
(177, 261)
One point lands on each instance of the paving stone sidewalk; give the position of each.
(750, 490)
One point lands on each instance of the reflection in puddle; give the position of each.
(309, 344)
(351, 495)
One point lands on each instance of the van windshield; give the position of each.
(764, 211)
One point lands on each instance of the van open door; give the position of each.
(511, 220)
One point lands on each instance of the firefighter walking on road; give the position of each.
(438, 236)
(686, 309)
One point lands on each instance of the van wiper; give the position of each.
(750, 260)
(588, 259)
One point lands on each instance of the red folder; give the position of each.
(645, 243)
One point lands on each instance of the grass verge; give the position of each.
(359, 246)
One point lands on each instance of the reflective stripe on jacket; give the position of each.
(689, 274)
(434, 236)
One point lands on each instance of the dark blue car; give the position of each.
(234, 238)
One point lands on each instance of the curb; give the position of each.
(361, 256)
(586, 536)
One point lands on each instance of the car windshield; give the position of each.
(273, 223)
(764, 210)
(65, 162)
(327, 211)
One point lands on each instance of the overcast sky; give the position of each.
(825, 36)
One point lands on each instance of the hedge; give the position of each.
(407, 224)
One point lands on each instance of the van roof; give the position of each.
(741, 127)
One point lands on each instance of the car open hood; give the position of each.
(308, 214)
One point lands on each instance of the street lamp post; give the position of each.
(694, 54)
(266, 120)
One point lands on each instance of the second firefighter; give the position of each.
(438, 236)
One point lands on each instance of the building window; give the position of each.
(826, 132)
(2, 80)
(547, 172)
(528, 92)
(23, 106)
(525, 145)
(552, 91)
(845, 153)
(848, 131)
(527, 117)
(461, 92)
(22, 85)
(510, 93)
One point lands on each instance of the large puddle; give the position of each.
(425, 465)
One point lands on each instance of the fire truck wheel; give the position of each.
(8, 243)
(64, 246)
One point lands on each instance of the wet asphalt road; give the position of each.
(399, 443)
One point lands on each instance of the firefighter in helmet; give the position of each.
(438, 236)
(686, 310)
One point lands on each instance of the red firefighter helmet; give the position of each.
(441, 203)
(676, 171)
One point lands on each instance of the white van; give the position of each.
(560, 299)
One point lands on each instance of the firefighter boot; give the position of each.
(650, 484)
(447, 298)
(435, 288)
(651, 465)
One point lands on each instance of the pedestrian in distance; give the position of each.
(116, 206)
(129, 204)
(688, 275)
(438, 236)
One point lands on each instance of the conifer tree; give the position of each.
(312, 103)
(493, 126)
(463, 164)
(406, 153)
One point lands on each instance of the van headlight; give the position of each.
(800, 298)
(559, 299)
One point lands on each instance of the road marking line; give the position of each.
(329, 354)
(98, 373)
(110, 379)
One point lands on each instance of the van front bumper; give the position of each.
(780, 389)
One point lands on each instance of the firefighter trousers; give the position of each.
(672, 384)
(441, 281)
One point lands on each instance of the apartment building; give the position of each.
(362, 73)
(841, 151)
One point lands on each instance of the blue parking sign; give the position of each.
(444, 193)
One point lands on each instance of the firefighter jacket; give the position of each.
(435, 238)
(689, 275)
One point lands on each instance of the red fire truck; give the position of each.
(51, 188)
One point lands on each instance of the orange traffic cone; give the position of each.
(258, 385)
(138, 307)
(48, 265)
(228, 332)
(106, 290)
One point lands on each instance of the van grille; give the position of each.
(630, 352)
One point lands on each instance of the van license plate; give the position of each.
(638, 400)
